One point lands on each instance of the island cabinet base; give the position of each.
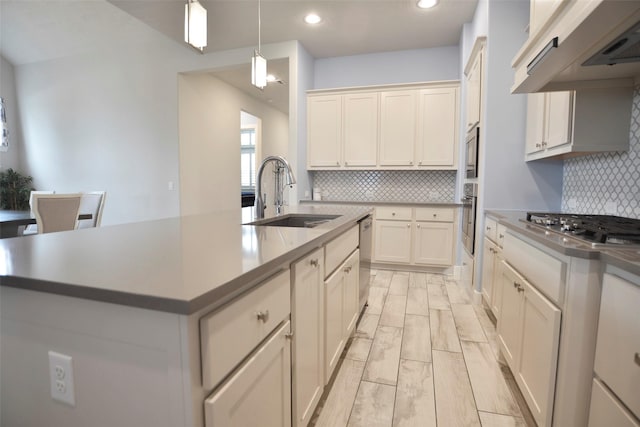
(130, 365)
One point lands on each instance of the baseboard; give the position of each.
(449, 271)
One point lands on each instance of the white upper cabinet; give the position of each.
(360, 129)
(474, 76)
(324, 127)
(571, 123)
(437, 127)
(541, 12)
(397, 127)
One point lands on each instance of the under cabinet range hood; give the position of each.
(585, 43)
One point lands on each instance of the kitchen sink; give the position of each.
(295, 220)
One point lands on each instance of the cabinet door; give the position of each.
(437, 127)
(324, 131)
(540, 12)
(510, 324)
(496, 291)
(259, 392)
(433, 243)
(392, 241)
(488, 263)
(535, 122)
(333, 311)
(536, 373)
(559, 118)
(351, 270)
(397, 127)
(474, 92)
(307, 318)
(360, 129)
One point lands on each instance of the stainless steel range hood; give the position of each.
(596, 44)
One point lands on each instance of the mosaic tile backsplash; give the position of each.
(606, 183)
(386, 186)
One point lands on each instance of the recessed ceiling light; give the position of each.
(426, 4)
(312, 19)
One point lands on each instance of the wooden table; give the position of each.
(10, 221)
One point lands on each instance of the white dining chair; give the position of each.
(92, 203)
(56, 212)
(33, 228)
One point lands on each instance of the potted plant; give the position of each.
(15, 190)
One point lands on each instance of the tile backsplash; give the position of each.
(606, 183)
(386, 186)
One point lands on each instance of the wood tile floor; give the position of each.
(423, 355)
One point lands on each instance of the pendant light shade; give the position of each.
(258, 70)
(195, 24)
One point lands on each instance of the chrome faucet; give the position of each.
(281, 163)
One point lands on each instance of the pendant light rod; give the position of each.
(259, 26)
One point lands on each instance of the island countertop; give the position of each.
(178, 265)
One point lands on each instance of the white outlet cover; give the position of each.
(61, 378)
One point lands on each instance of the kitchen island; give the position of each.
(126, 302)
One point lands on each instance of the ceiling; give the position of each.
(41, 30)
(37, 30)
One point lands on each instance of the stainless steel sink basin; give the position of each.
(295, 220)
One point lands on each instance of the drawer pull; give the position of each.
(518, 286)
(289, 335)
(435, 215)
(347, 269)
(636, 358)
(314, 262)
(501, 236)
(393, 214)
(408, 225)
(418, 225)
(263, 315)
(488, 228)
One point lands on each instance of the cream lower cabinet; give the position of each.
(307, 318)
(414, 236)
(393, 241)
(491, 263)
(615, 399)
(341, 310)
(259, 392)
(529, 335)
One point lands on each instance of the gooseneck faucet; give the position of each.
(281, 162)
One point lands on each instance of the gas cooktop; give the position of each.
(596, 230)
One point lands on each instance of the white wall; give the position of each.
(209, 117)
(407, 66)
(10, 158)
(108, 120)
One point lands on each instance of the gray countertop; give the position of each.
(178, 265)
(380, 203)
(627, 259)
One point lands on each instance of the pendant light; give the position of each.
(195, 24)
(258, 63)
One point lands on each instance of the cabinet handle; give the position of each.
(636, 358)
(538, 145)
(420, 162)
(263, 315)
(516, 284)
(314, 262)
(501, 236)
(337, 163)
(418, 225)
(488, 228)
(288, 335)
(347, 270)
(408, 225)
(393, 214)
(435, 215)
(346, 163)
(544, 144)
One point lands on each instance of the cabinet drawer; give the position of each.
(434, 214)
(228, 335)
(618, 345)
(605, 409)
(502, 231)
(337, 250)
(399, 213)
(546, 272)
(491, 229)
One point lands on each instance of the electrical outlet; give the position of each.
(61, 378)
